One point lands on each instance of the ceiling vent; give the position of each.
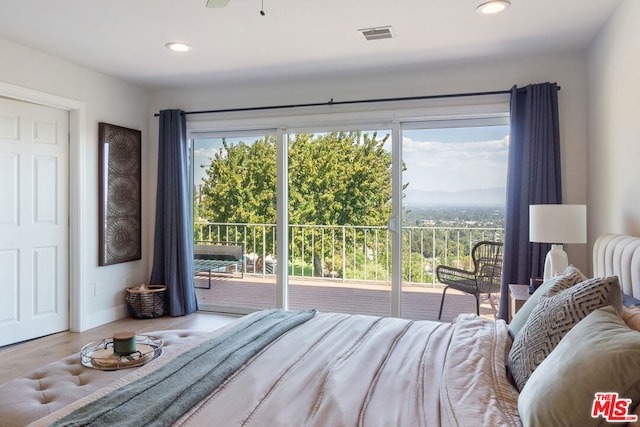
(377, 33)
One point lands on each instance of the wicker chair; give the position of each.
(484, 279)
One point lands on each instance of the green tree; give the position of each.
(337, 178)
(240, 185)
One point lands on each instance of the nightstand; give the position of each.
(518, 294)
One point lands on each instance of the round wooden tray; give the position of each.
(100, 355)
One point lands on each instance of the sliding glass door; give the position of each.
(345, 218)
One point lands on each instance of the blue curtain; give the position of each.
(173, 244)
(533, 177)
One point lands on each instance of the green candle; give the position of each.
(124, 343)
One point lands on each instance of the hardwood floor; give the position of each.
(19, 359)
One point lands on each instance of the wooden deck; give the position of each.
(418, 303)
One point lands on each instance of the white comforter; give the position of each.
(341, 370)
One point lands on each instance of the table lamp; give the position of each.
(557, 224)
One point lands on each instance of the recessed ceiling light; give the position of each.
(493, 6)
(178, 46)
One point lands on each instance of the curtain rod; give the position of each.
(358, 101)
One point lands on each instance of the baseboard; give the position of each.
(103, 317)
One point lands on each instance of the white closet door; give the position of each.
(34, 277)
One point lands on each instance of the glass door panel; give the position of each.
(339, 205)
(234, 204)
(454, 187)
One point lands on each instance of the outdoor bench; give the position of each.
(218, 258)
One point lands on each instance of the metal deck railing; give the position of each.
(351, 253)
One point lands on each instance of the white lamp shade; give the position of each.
(558, 223)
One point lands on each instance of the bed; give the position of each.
(282, 368)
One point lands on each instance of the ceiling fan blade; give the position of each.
(217, 3)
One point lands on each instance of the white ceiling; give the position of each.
(126, 38)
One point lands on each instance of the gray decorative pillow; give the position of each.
(569, 277)
(600, 354)
(553, 317)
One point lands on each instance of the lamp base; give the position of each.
(555, 262)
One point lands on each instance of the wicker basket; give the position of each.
(146, 302)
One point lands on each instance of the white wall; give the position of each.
(568, 70)
(614, 125)
(105, 99)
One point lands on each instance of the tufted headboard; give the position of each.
(618, 255)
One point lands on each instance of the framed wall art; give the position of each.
(120, 216)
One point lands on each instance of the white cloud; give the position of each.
(205, 153)
(455, 166)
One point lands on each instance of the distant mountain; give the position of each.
(478, 197)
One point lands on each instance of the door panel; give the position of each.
(33, 221)
(45, 171)
(339, 203)
(9, 269)
(454, 190)
(9, 188)
(234, 183)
